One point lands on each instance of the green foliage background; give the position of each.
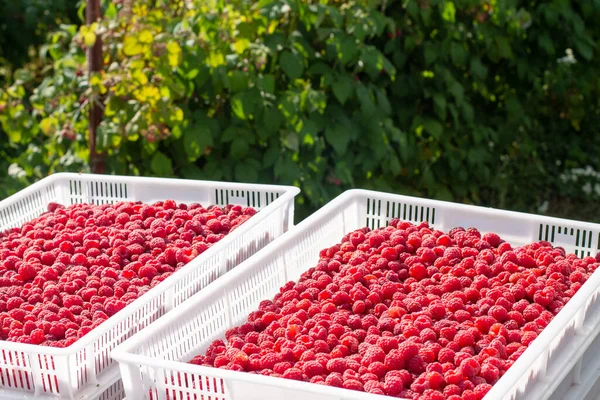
(486, 102)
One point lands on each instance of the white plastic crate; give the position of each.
(84, 367)
(153, 361)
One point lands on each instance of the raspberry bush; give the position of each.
(407, 311)
(69, 270)
(477, 101)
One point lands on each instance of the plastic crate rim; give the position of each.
(366, 193)
(178, 366)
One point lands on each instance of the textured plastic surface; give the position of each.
(46, 372)
(153, 360)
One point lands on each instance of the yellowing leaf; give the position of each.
(241, 45)
(89, 39)
(272, 26)
(178, 115)
(140, 77)
(95, 80)
(137, 64)
(216, 59)
(165, 92)
(146, 37)
(88, 34)
(148, 94)
(174, 52)
(132, 46)
(48, 125)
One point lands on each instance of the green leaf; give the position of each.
(383, 103)
(244, 104)
(238, 81)
(196, 139)
(344, 173)
(111, 11)
(191, 171)
(247, 171)
(503, 47)
(271, 155)
(433, 127)
(457, 91)
(319, 68)
(272, 119)
(292, 64)
(394, 164)
(286, 169)
(468, 112)
(239, 147)
(292, 141)
(478, 69)
(443, 193)
(364, 97)
(230, 133)
(266, 83)
(376, 63)
(585, 47)
(346, 50)
(439, 105)
(449, 12)
(458, 54)
(342, 88)
(161, 165)
(430, 53)
(338, 138)
(545, 42)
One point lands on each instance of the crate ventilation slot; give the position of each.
(380, 213)
(249, 198)
(581, 238)
(97, 192)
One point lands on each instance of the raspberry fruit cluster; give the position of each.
(67, 271)
(407, 311)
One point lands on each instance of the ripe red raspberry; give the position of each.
(292, 373)
(334, 379)
(353, 384)
(452, 390)
(431, 394)
(490, 373)
(416, 365)
(470, 367)
(498, 313)
(393, 385)
(37, 336)
(147, 271)
(377, 368)
(337, 365)
(387, 343)
(492, 238)
(373, 387)
(418, 271)
(14, 302)
(114, 306)
(464, 338)
(27, 271)
(373, 354)
(435, 379)
(312, 368)
(527, 337)
(481, 390)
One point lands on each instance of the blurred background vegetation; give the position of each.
(484, 102)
